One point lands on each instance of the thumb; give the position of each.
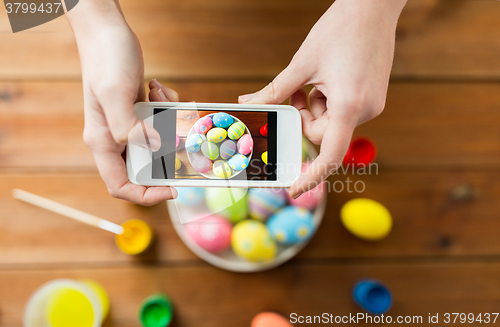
(292, 78)
(123, 123)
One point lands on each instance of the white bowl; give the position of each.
(210, 174)
(228, 260)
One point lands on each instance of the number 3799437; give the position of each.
(463, 318)
(32, 8)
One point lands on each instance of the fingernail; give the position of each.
(295, 195)
(162, 95)
(246, 97)
(155, 144)
(174, 193)
(155, 82)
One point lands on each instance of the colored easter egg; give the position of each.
(193, 143)
(210, 150)
(361, 152)
(251, 240)
(223, 120)
(270, 319)
(221, 169)
(245, 144)
(203, 125)
(264, 157)
(227, 149)
(366, 219)
(177, 140)
(216, 135)
(230, 203)
(212, 233)
(202, 164)
(178, 164)
(189, 196)
(310, 199)
(263, 202)
(236, 130)
(238, 162)
(291, 225)
(263, 130)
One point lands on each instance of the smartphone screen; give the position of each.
(207, 144)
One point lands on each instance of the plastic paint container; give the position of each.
(136, 238)
(372, 296)
(65, 302)
(156, 311)
(362, 151)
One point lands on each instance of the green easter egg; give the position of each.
(228, 202)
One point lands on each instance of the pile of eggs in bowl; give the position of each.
(252, 224)
(225, 146)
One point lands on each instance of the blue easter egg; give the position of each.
(227, 149)
(193, 143)
(222, 120)
(263, 202)
(291, 225)
(189, 196)
(238, 162)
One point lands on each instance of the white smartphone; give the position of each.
(218, 145)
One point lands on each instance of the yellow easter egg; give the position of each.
(366, 219)
(221, 169)
(264, 157)
(178, 164)
(216, 135)
(252, 241)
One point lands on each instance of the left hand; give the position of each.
(347, 56)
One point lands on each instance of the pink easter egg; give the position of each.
(245, 144)
(309, 199)
(212, 233)
(203, 125)
(202, 164)
(177, 140)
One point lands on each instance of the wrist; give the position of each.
(93, 16)
(374, 10)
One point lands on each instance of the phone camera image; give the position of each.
(208, 144)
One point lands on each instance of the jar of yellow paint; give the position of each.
(66, 302)
(136, 238)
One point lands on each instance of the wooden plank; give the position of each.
(427, 220)
(233, 39)
(205, 296)
(424, 124)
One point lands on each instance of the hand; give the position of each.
(113, 80)
(347, 56)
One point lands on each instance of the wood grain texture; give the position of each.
(223, 39)
(205, 296)
(428, 220)
(437, 124)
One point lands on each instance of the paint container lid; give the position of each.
(156, 311)
(136, 238)
(372, 296)
(362, 151)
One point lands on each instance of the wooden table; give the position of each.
(439, 157)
